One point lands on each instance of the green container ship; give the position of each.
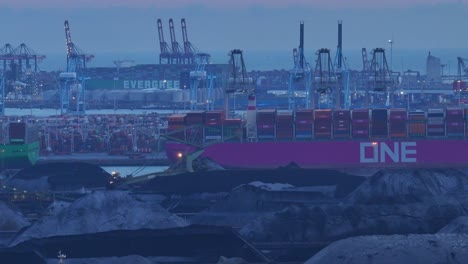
(20, 146)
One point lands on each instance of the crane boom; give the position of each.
(163, 47)
(172, 32)
(365, 61)
(162, 43)
(301, 45)
(461, 67)
(68, 38)
(189, 50)
(174, 43)
(340, 44)
(184, 36)
(176, 49)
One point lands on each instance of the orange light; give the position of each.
(179, 155)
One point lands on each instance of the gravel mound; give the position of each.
(458, 226)
(428, 249)
(102, 211)
(408, 185)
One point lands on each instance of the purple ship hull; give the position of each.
(422, 153)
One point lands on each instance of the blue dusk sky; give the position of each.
(129, 26)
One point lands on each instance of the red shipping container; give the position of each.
(215, 117)
(195, 118)
(323, 114)
(398, 114)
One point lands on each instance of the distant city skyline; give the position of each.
(129, 27)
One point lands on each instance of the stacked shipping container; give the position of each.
(176, 123)
(284, 126)
(323, 124)
(341, 123)
(360, 123)
(304, 124)
(266, 123)
(435, 123)
(455, 122)
(17, 132)
(232, 129)
(194, 122)
(416, 124)
(379, 123)
(203, 127)
(397, 123)
(214, 124)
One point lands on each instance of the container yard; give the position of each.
(111, 134)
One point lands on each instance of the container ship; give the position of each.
(20, 145)
(322, 138)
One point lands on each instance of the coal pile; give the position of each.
(388, 203)
(191, 244)
(11, 221)
(249, 201)
(226, 180)
(60, 176)
(111, 260)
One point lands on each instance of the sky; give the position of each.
(129, 26)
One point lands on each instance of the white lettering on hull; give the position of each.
(145, 84)
(378, 152)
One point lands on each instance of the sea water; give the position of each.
(134, 171)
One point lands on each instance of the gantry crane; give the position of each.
(365, 61)
(239, 82)
(176, 49)
(301, 71)
(28, 60)
(72, 82)
(210, 93)
(2, 94)
(459, 85)
(342, 70)
(325, 80)
(189, 50)
(165, 52)
(17, 64)
(176, 53)
(461, 69)
(380, 76)
(196, 77)
(76, 59)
